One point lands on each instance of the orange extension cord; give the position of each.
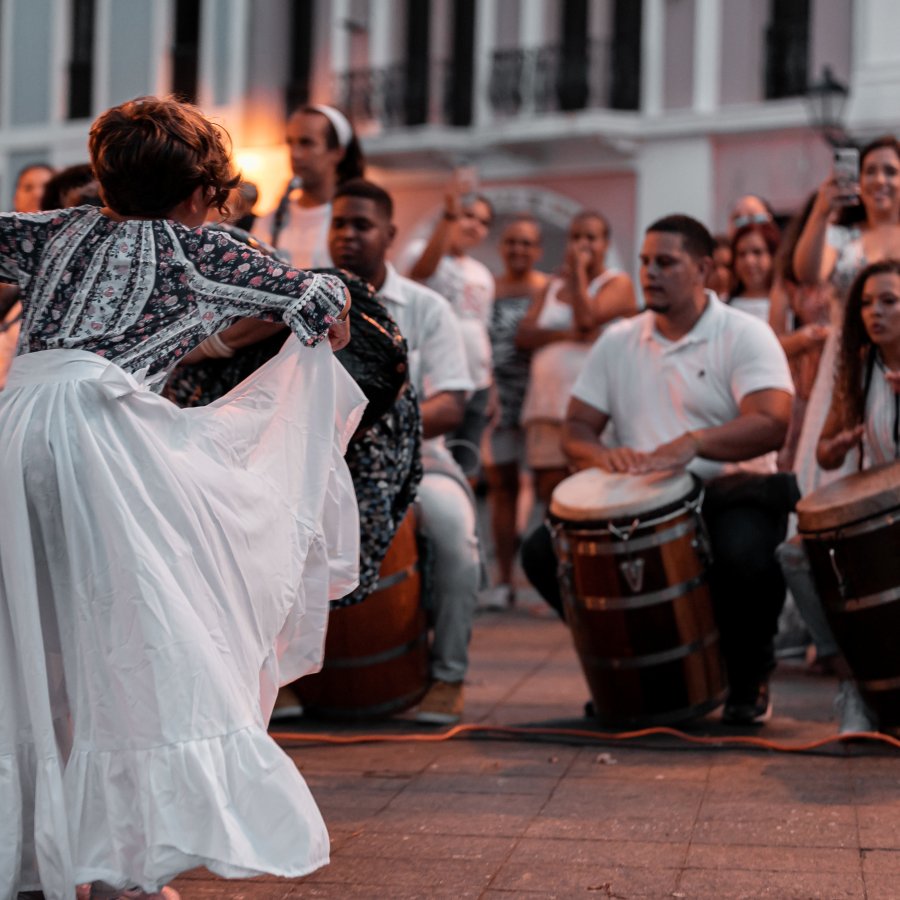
(723, 742)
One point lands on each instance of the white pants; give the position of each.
(448, 521)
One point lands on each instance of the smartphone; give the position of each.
(845, 169)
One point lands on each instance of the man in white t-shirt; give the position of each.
(443, 263)
(324, 152)
(691, 383)
(360, 235)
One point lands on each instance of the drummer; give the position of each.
(864, 413)
(692, 383)
(360, 235)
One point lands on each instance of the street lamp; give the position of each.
(825, 101)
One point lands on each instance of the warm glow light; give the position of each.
(268, 168)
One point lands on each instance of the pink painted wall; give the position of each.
(613, 194)
(783, 168)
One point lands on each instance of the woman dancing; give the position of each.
(162, 571)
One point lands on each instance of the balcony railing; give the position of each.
(535, 81)
(387, 97)
(545, 79)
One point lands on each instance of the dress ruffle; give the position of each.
(162, 571)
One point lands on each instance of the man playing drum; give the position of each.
(691, 383)
(360, 235)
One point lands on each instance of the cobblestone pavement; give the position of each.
(657, 817)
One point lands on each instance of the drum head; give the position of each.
(851, 499)
(595, 496)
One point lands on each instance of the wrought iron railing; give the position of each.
(520, 82)
(546, 79)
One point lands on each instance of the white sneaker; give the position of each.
(499, 597)
(850, 708)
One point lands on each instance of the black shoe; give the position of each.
(743, 710)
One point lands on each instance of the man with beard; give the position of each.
(693, 384)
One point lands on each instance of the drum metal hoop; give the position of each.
(626, 533)
(854, 529)
(638, 601)
(691, 506)
(661, 657)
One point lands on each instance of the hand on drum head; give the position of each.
(674, 455)
(617, 459)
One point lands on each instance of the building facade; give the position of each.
(635, 107)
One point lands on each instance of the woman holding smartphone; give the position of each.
(849, 227)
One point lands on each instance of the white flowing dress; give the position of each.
(162, 570)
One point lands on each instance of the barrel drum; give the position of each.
(376, 651)
(633, 559)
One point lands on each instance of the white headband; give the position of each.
(342, 127)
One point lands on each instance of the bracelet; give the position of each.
(215, 348)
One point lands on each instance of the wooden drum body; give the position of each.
(851, 532)
(376, 651)
(633, 560)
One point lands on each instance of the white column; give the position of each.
(161, 37)
(209, 49)
(239, 52)
(485, 42)
(60, 57)
(531, 23)
(382, 22)
(653, 45)
(875, 79)
(707, 54)
(532, 35)
(102, 49)
(340, 39)
(6, 73)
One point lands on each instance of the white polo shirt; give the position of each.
(654, 390)
(437, 358)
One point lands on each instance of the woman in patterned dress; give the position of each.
(162, 571)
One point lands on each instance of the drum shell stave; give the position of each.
(376, 651)
(856, 571)
(641, 614)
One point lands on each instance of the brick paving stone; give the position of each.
(427, 846)
(577, 851)
(385, 873)
(880, 862)
(587, 880)
(768, 832)
(494, 818)
(482, 783)
(738, 884)
(881, 887)
(773, 859)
